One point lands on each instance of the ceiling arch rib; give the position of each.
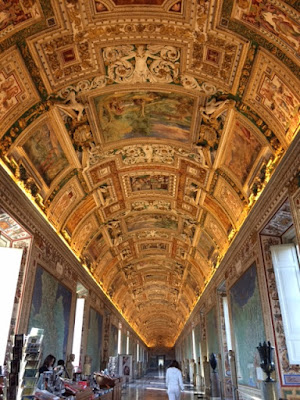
(145, 143)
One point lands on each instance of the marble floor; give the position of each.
(152, 387)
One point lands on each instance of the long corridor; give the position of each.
(153, 387)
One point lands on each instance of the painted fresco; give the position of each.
(145, 114)
(10, 89)
(212, 331)
(151, 221)
(241, 152)
(138, 2)
(206, 245)
(65, 201)
(87, 228)
(266, 17)
(84, 208)
(45, 153)
(10, 227)
(149, 182)
(113, 341)
(218, 212)
(248, 325)
(282, 103)
(96, 247)
(14, 15)
(50, 310)
(94, 339)
(215, 230)
(229, 199)
(280, 222)
(99, 6)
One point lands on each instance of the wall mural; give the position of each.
(212, 331)
(94, 339)
(145, 114)
(45, 153)
(248, 325)
(50, 310)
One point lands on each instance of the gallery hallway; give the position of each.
(153, 387)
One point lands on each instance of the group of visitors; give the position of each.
(49, 365)
(173, 377)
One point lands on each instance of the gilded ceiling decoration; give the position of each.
(145, 130)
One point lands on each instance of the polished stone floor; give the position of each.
(152, 387)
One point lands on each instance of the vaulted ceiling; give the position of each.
(145, 130)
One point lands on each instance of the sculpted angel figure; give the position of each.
(152, 63)
(212, 106)
(72, 107)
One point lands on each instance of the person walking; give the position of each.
(174, 381)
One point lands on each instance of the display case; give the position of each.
(113, 367)
(30, 363)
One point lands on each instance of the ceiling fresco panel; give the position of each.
(46, 151)
(145, 115)
(84, 208)
(65, 201)
(17, 15)
(152, 221)
(274, 92)
(86, 229)
(242, 150)
(229, 199)
(215, 231)
(18, 92)
(273, 19)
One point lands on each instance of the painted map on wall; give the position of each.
(94, 340)
(212, 332)
(50, 310)
(248, 325)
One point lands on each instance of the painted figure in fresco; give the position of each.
(265, 16)
(174, 381)
(9, 89)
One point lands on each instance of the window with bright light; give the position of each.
(127, 344)
(10, 262)
(227, 323)
(78, 330)
(287, 275)
(119, 341)
(194, 345)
